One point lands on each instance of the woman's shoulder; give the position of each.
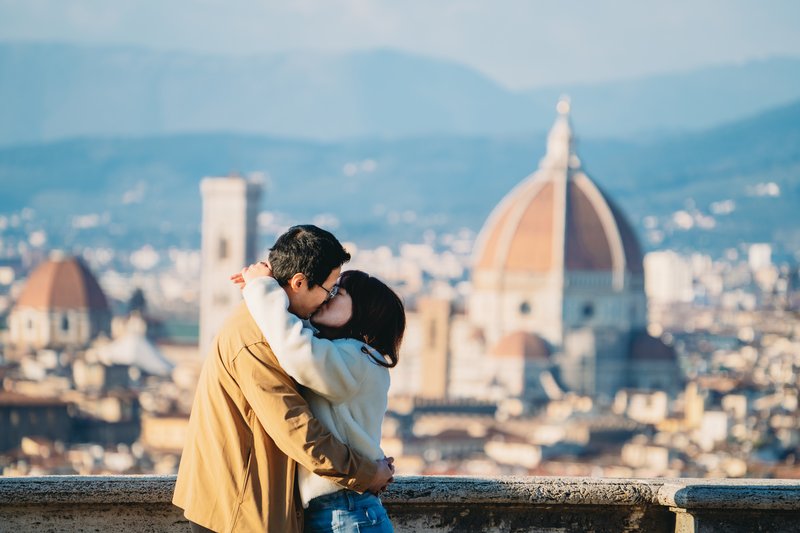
(360, 352)
(348, 344)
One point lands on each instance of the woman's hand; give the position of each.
(238, 278)
(256, 270)
(384, 475)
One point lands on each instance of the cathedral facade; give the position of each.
(557, 300)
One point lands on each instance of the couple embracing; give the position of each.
(284, 433)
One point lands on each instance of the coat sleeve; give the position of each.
(287, 418)
(332, 369)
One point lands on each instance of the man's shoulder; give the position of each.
(239, 329)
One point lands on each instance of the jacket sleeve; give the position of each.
(287, 418)
(332, 369)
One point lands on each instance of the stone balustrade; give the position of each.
(437, 503)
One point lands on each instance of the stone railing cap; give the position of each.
(86, 489)
(778, 494)
(448, 490)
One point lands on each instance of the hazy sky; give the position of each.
(518, 43)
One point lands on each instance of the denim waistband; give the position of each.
(343, 499)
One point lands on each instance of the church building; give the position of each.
(557, 301)
(61, 306)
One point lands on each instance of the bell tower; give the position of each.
(229, 237)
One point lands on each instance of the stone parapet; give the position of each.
(437, 503)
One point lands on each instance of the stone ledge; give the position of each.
(446, 490)
(778, 494)
(51, 490)
(437, 504)
(743, 494)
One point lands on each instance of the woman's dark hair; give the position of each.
(379, 318)
(307, 250)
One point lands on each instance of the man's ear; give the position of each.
(297, 281)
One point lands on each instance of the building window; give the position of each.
(64, 323)
(587, 311)
(525, 308)
(432, 333)
(223, 249)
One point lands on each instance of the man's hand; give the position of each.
(383, 476)
(256, 270)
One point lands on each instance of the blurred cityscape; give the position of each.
(548, 343)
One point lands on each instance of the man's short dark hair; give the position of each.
(307, 250)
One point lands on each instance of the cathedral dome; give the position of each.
(63, 284)
(521, 345)
(558, 219)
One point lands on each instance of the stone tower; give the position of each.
(229, 237)
(435, 316)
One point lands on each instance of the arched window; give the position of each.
(64, 323)
(525, 308)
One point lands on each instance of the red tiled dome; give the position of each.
(63, 284)
(558, 218)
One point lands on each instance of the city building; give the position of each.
(30, 416)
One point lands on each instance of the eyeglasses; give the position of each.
(331, 293)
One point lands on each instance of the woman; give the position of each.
(344, 369)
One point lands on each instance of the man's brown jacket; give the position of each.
(248, 429)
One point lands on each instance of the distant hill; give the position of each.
(52, 92)
(735, 162)
(657, 106)
(66, 91)
(392, 190)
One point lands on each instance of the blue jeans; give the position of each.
(345, 512)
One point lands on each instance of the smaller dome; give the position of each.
(521, 345)
(645, 347)
(62, 284)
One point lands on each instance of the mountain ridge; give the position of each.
(58, 91)
(365, 185)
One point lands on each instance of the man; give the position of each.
(249, 425)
